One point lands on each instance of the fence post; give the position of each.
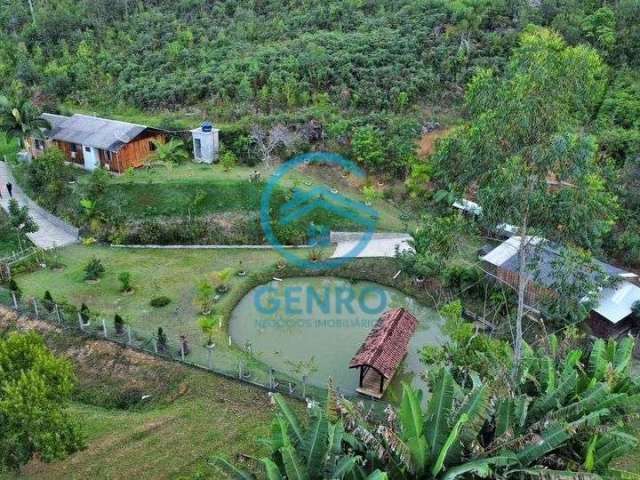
(104, 328)
(155, 345)
(240, 370)
(210, 356)
(220, 322)
(35, 308)
(229, 340)
(129, 334)
(55, 306)
(15, 300)
(80, 321)
(304, 386)
(182, 350)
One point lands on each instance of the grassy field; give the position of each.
(200, 189)
(215, 417)
(173, 273)
(192, 416)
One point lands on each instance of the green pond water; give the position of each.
(314, 325)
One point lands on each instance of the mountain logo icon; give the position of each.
(305, 203)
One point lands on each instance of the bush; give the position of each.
(85, 313)
(118, 324)
(13, 286)
(162, 340)
(125, 281)
(228, 160)
(48, 301)
(161, 301)
(93, 269)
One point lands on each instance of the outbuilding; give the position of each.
(613, 314)
(382, 351)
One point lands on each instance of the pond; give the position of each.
(314, 325)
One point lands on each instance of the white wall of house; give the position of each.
(91, 158)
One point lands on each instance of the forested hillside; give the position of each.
(241, 55)
(370, 72)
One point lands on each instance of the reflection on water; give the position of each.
(314, 325)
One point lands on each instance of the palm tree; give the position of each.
(20, 119)
(169, 153)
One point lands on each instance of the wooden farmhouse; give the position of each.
(93, 142)
(612, 315)
(382, 351)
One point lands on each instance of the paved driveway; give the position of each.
(380, 245)
(53, 232)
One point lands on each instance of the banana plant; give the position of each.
(313, 451)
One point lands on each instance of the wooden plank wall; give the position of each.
(136, 152)
(66, 149)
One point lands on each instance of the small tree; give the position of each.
(118, 324)
(48, 301)
(267, 142)
(35, 390)
(367, 147)
(21, 220)
(125, 281)
(13, 286)
(170, 153)
(94, 269)
(207, 325)
(370, 194)
(85, 313)
(162, 340)
(228, 160)
(221, 280)
(204, 296)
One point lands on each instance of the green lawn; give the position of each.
(154, 272)
(200, 189)
(215, 417)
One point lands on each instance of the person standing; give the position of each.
(10, 189)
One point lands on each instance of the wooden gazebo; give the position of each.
(383, 350)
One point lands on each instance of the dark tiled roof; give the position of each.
(387, 343)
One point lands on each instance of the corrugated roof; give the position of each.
(92, 131)
(613, 302)
(54, 120)
(616, 303)
(387, 343)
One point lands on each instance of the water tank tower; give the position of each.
(205, 143)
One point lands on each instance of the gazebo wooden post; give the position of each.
(381, 383)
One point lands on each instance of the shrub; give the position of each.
(204, 296)
(161, 301)
(118, 324)
(222, 278)
(228, 160)
(13, 286)
(125, 281)
(93, 269)
(48, 301)
(162, 340)
(85, 313)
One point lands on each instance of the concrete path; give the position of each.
(53, 232)
(380, 245)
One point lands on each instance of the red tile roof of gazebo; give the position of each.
(387, 343)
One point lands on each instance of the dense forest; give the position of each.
(371, 72)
